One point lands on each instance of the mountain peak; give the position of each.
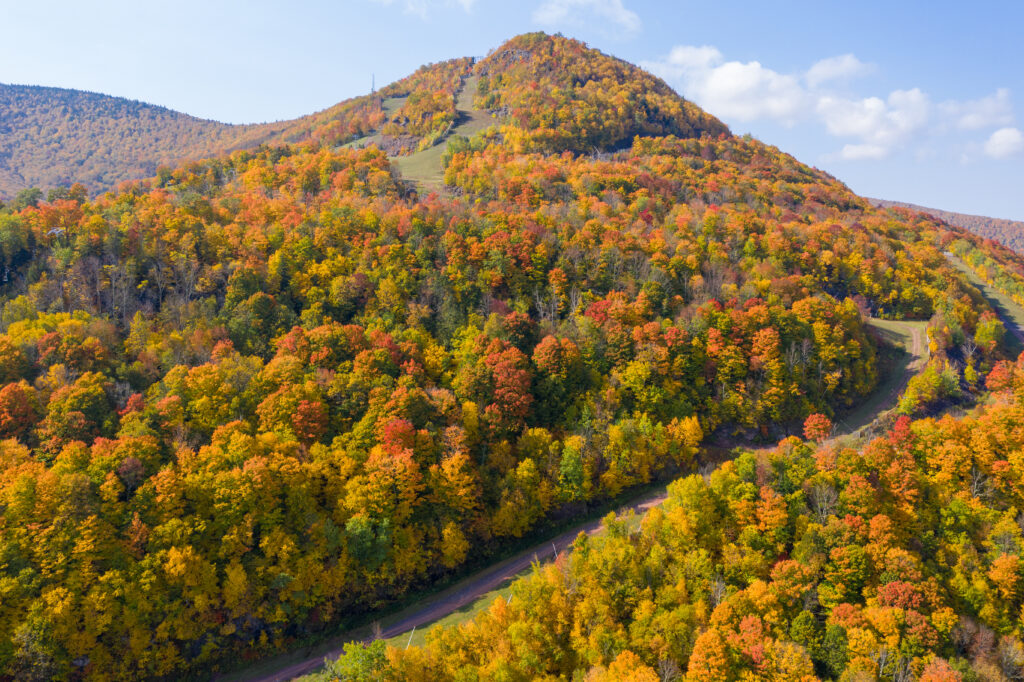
(546, 93)
(565, 96)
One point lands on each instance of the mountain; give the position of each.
(51, 137)
(255, 399)
(1009, 233)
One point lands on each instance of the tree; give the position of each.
(26, 198)
(817, 427)
(710, 659)
(19, 410)
(360, 663)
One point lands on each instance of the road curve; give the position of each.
(433, 609)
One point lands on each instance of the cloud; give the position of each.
(874, 126)
(1004, 143)
(685, 59)
(422, 8)
(858, 152)
(836, 68)
(580, 13)
(881, 125)
(743, 91)
(980, 113)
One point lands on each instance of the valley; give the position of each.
(1011, 313)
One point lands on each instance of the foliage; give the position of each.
(1009, 233)
(897, 561)
(261, 394)
(562, 96)
(56, 137)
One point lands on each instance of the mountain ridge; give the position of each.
(60, 136)
(1009, 233)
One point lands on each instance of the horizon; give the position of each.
(879, 106)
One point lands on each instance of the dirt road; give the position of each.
(908, 334)
(460, 595)
(1011, 314)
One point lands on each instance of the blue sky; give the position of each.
(918, 102)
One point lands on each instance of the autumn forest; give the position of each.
(253, 399)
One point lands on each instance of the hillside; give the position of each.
(1009, 233)
(261, 397)
(802, 563)
(52, 137)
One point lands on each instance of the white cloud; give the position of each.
(836, 68)
(743, 91)
(576, 13)
(684, 59)
(748, 91)
(981, 113)
(858, 152)
(874, 126)
(881, 125)
(422, 8)
(1004, 143)
(844, 117)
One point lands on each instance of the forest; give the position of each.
(897, 561)
(52, 138)
(1009, 233)
(254, 397)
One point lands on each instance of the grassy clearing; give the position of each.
(424, 168)
(361, 142)
(1009, 312)
(393, 104)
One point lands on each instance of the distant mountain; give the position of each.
(52, 136)
(1009, 233)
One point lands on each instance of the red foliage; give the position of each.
(310, 420)
(18, 410)
(817, 427)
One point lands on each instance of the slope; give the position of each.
(469, 597)
(1009, 233)
(53, 137)
(260, 397)
(425, 168)
(783, 565)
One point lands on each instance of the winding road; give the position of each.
(908, 334)
(911, 336)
